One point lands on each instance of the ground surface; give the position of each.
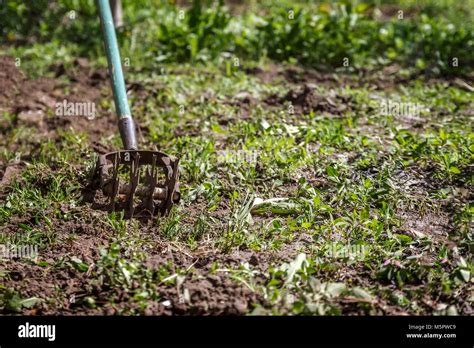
(377, 217)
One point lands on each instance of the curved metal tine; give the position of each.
(134, 178)
(172, 182)
(150, 204)
(167, 163)
(169, 176)
(115, 181)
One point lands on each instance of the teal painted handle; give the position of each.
(126, 125)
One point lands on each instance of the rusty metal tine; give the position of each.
(150, 203)
(164, 207)
(115, 181)
(153, 162)
(134, 178)
(132, 189)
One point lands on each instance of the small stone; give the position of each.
(31, 117)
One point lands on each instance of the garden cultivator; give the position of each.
(152, 176)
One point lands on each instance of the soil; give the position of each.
(32, 103)
(209, 293)
(10, 78)
(308, 100)
(206, 292)
(388, 78)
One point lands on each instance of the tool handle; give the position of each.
(126, 124)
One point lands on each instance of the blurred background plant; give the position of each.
(424, 36)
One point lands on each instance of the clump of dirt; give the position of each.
(281, 73)
(201, 292)
(308, 100)
(9, 173)
(300, 76)
(243, 103)
(298, 101)
(10, 79)
(387, 78)
(266, 76)
(436, 225)
(34, 102)
(27, 99)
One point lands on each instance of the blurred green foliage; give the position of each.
(318, 34)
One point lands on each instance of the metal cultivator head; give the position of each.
(140, 182)
(150, 181)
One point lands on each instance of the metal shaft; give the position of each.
(126, 124)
